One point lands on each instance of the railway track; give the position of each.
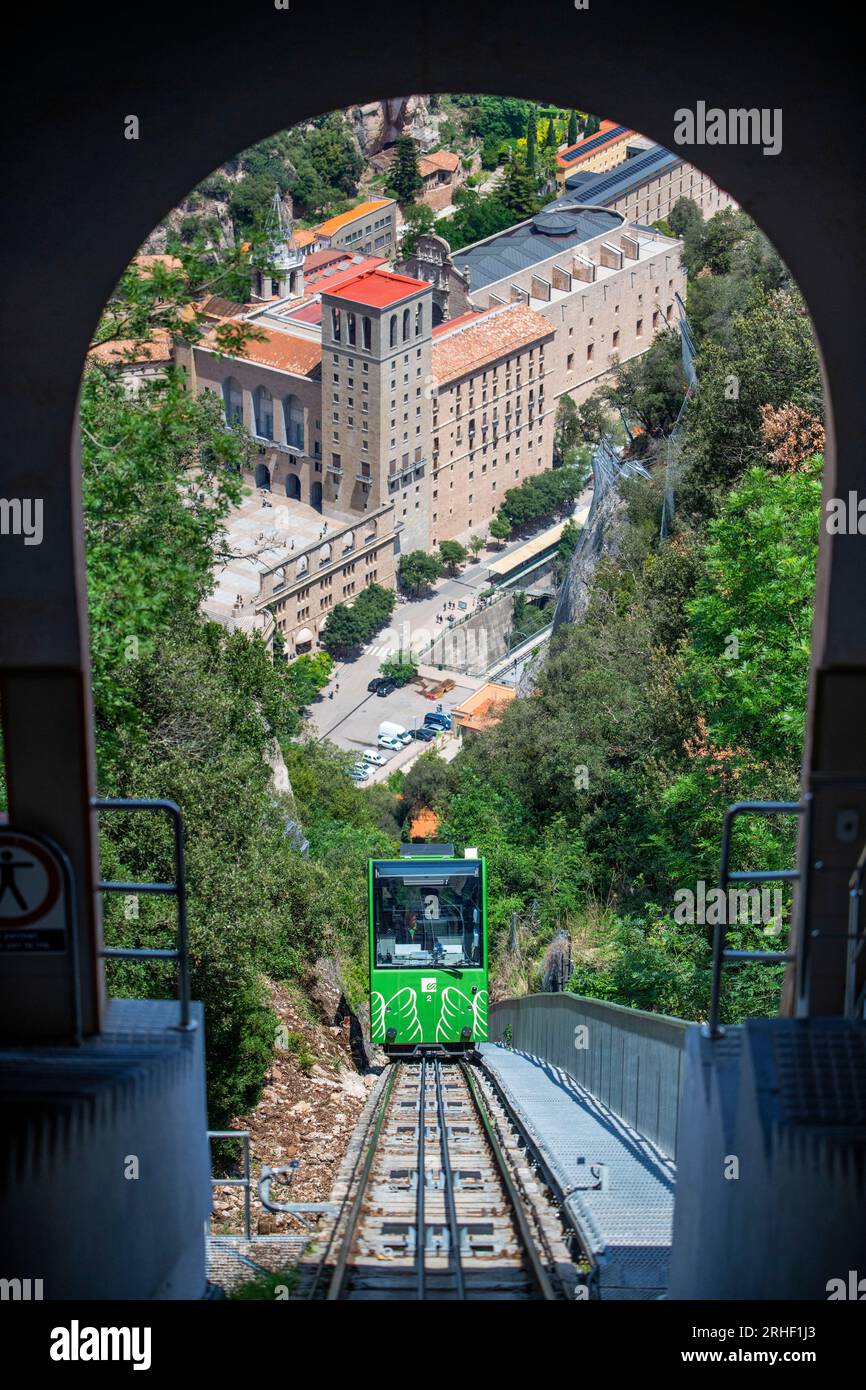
(445, 1205)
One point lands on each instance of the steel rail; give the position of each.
(335, 1287)
(448, 1187)
(536, 1268)
(420, 1232)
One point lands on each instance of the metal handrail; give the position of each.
(243, 1182)
(727, 877)
(177, 889)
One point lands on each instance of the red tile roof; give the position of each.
(496, 333)
(328, 277)
(461, 318)
(317, 259)
(283, 351)
(130, 352)
(376, 288)
(442, 159)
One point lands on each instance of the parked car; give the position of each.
(359, 773)
(396, 731)
(425, 733)
(385, 688)
(390, 741)
(375, 683)
(438, 721)
(374, 758)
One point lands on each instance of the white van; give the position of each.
(388, 730)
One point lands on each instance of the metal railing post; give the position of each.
(726, 878)
(177, 889)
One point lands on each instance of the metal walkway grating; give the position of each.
(618, 1186)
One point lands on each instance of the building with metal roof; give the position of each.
(549, 233)
(646, 186)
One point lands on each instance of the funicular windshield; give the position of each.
(427, 914)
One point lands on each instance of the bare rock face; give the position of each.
(326, 990)
(279, 772)
(380, 123)
(556, 965)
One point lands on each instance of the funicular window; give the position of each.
(427, 915)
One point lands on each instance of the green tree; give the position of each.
(417, 570)
(566, 430)
(425, 782)
(342, 631)
(404, 180)
(649, 389)
(517, 192)
(452, 555)
(531, 140)
(571, 137)
(476, 545)
(500, 528)
(476, 216)
(418, 220)
(401, 668)
(146, 463)
(307, 675)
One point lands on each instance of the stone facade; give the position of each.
(493, 415)
(370, 228)
(431, 261)
(332, 569)
(402, 433)
(653, 200)
(376, 336)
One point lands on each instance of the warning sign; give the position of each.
(32, 906)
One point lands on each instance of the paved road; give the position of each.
(350, 716)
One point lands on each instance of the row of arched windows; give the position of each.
(351, 327)
(263, 412)
(407, 324)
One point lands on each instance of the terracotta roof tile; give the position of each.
(130, 352)
(493, 334)
(283, 351)
(442, 159)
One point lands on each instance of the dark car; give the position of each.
(385, 688)
(375, 684)
(425, 733)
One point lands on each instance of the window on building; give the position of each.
(293, 413)
(367, 332)
(233, 401)
(263, 409)
(335, 324)
(393, 334)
